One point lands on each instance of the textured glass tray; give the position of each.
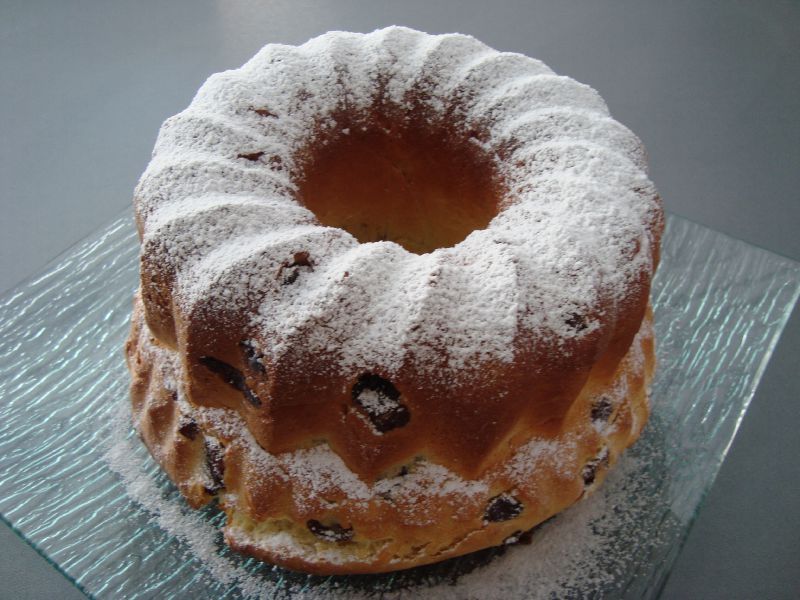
(116, 527)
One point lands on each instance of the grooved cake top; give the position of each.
(576, 233)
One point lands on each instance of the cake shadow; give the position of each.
(447, 572)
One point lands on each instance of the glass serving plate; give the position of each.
(77, 484)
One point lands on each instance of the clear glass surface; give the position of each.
(78, 485)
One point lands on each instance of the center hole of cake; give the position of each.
(422, 186)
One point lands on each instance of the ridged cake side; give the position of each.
(305, 509)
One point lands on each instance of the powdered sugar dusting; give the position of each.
(318, 472)
(198, 536)
(573, 234)
(375, 402)
(556, 455)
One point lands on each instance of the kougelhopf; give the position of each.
(394, 299)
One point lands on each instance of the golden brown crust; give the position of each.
(169, 433)
(308, 399)
(272, 514)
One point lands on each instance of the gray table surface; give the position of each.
(712, 88)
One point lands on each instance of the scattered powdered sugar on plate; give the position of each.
(594, 547)
(196, 534)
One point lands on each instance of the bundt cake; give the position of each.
(394, 299)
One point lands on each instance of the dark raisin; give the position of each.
(251, 397)
(231, 376)
(519, 537)
(330, 533)
(264, 112)
(299, 259)
(502, 508)
(291, 277)
(215, 461)
(589, 472)
(302, 259)
(525, 537)
(253, 357)
(602, 409)
(252, 156)
(188, 428)
(379, 400)
(576, 321)
(403, 471)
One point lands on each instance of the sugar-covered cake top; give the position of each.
(575, 233)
